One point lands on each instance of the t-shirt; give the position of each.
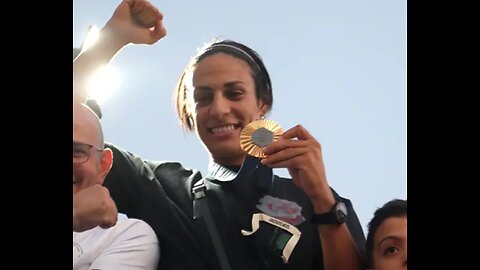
(161, 194)
(130, 244)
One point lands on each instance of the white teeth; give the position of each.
(223, 128)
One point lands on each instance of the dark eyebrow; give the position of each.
(392, 237)
(225, 85)
(231, 84)
(202, 88)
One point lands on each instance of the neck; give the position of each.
(230, 162)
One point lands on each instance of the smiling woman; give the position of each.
(340, 66)
(229, 89)
(340, 77)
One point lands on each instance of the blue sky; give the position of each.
(337, 67)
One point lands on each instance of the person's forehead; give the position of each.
(221, 60)
(83, 134)
(85, 126)
(395, 226)
(218, 64)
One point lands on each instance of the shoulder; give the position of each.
(129, 167)
(176, 180)
(127, 223)
(129, 241)
(167, 170)
(126, 163)
(133, 227)
(123, 159)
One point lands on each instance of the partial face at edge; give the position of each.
(390, 245)
(86, 130)
(224, 102)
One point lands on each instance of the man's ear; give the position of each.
(106, 163)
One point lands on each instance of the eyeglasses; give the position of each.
(81, 152)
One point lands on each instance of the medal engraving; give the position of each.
(262, 137)
(259, 134)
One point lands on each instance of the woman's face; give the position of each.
(223, 102)
(390, 245)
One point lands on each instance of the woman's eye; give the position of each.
(234, 95)
(202, 99)
(390, 250)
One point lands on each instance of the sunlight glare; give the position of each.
(91, 37)
(103, 83)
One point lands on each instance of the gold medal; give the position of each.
(258, 134)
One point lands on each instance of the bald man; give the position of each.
(92, 205)
(99, 240)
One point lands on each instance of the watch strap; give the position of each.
(327, 218)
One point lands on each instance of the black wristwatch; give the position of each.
(337, 215)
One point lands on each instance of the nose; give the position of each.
(220, 105)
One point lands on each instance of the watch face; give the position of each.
(341, 212)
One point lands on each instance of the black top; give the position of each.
(161, 194)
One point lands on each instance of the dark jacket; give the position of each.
(160, 193)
